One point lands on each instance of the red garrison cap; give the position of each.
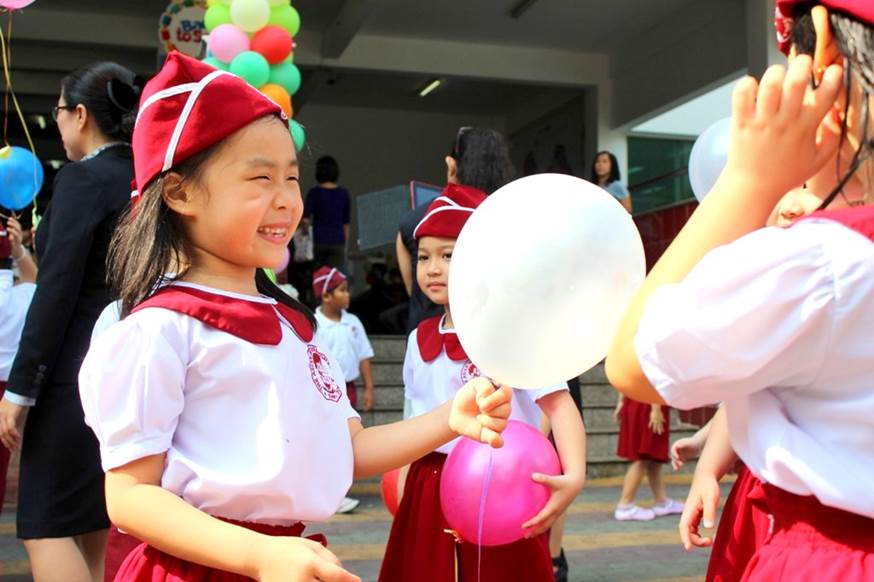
(187, 107)
(326, 279)
(448, 213)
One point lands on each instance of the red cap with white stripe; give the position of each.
(448, 213)
(187, 107)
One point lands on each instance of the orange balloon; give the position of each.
(280, 95)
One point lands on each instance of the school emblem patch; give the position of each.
(320, 370)
(469, 371)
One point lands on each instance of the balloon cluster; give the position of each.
(254, 39)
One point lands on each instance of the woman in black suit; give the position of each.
(61, 509)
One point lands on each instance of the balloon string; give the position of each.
(482, 515)
(6, 49)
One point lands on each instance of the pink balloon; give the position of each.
(512, 497)
(15, 4)
(283, 264)
(226, 41)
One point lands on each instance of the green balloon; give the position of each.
(286, 17)
(215, 15)
(216, 64)
(298, 135)
(287, 76)
(252, 67)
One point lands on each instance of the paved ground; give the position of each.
(597, 547)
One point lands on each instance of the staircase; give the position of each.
(599, 400)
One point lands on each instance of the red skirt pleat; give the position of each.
(743, 528)
(118, 546)
(419, 548)
(812, 543)
(636, 440)
(148, 564)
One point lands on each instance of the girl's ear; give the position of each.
(826, 52)
(451, 170)
(176, 194)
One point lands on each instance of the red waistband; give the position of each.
(805, 516)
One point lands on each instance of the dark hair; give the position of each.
(855, 41)
(614, 167)
(109, 92)
(150, 242)
(327, 170)
(483, 159)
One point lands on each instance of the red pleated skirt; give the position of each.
(419, 548)
(812, 543)
(743, 528)
(118, 546)
(636, 440)
(148, 564)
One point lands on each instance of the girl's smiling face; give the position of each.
(242, 211)
(432, 267)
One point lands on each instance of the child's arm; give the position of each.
(570, 441)
(479, 411)
(25, 263)
(367, 373)
(703, 499)
(137, 504)
(774, 148)
(404, 264)
(688, 448)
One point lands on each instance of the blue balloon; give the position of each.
(21, 178)
(708, 157)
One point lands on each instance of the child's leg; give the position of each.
(656, 482)
(633, 479)
(57, 560)
(555, 535)
(93, 547)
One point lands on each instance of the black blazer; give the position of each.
(72, 242)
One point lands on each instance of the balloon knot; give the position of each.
(5, 151)
(454, 534)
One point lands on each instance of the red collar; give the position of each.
(432, 342)
(252, 321)
(860, 219)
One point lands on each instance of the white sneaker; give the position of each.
(633, 513)
(667, 507)
(347, 505)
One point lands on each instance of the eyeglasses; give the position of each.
(57, 109)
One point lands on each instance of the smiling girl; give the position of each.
(221, 421)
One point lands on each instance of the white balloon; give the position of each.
(708, 157)
(540, 278)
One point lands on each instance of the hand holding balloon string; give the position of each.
(480, 411)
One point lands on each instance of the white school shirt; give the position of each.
(347, 341)
(14, 303)
(778, 325)
(428, 385)
(252, 431)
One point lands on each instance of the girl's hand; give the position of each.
(702, 501)
(284, 559)
(368, 399)
(684, 449)
(15, 238)
(480, 411)
(783, 131)
(565, 489)
(12, 419)
(656, 419)
(618, 410)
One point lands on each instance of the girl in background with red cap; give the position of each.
(420, 547)
(222, 423)
(775, 322)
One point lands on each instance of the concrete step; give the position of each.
(388, 348)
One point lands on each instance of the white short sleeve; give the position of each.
(131, 385)
(753, 314)
(536, 395)
(362, 343)
(410, 358)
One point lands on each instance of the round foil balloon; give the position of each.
(540, 278)
(708, 157)
(511, 496)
